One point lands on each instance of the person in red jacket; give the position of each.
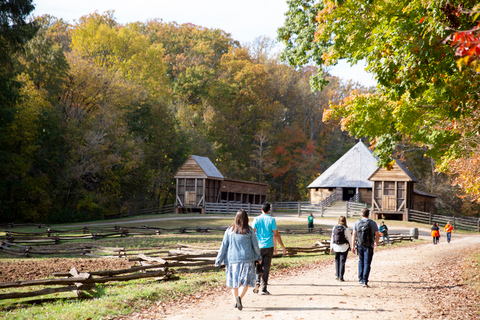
(448, 230)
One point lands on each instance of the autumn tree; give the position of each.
(421, 94)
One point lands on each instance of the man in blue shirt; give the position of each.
(267, 234)
(366, 236)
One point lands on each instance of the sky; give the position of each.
(245, 20)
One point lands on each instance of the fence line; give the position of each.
(458, 222)
(232, 207)
(186, 259)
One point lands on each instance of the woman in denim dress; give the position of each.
(239, 251)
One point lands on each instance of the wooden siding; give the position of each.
(423, 203)
(190, 169)
(395, 174)
(319, 194)
(365, 195)
(238, 186)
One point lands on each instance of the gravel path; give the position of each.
(398, 289)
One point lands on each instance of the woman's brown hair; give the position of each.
(342, 220)
(240, 224)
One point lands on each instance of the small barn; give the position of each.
(394, 193)
(347, 177)
(390, 193)
(199, 181)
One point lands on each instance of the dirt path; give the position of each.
(399, 290)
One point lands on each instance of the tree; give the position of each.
(15, 31)
(422, 95)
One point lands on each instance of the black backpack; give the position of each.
(339, 235)
(364, 233)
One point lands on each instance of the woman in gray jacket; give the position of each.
(239, 251)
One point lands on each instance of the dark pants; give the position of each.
(449, 236)
(263, 269)
(365, 256)
(340, 259)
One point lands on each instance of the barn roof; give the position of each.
(423, 193)
(208, 167)
(352, 170)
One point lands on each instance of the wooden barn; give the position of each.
(390, 193)
(199, 181)
(347, 177)
(394, 193)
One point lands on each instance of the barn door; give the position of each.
(190, 198)
(389, 203)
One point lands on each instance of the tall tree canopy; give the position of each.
(422, 95)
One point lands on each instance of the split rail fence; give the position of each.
(160, 263)
(458, 222)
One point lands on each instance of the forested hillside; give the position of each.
(97, 116)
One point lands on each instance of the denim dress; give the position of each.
(239, 253)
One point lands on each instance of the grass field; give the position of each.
(113, 299)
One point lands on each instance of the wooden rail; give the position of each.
(184, 259)
(458, 222)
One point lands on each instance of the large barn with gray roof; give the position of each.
(199, 181)
(390, 192)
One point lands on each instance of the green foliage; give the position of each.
(420, 90)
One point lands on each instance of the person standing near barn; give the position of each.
(383, 229)
(340, 243)
(366, 237)
(239, 251)
(448, 229)
(267, 234)
(310, 223)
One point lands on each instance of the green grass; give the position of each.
(121, 298)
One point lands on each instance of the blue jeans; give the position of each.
(449, 236)
(365, 255)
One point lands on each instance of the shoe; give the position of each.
(239, 303)
(257, 286)
(360, 282)
(342, 280)
(235, 305)
(336, 278)
(264, 292)
(366, 285)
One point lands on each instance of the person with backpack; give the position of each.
(435, 233)
(340, 244)
(366, 237)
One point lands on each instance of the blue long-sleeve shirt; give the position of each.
(238, 248)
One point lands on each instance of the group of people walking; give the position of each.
(247, 251)
(436, 232)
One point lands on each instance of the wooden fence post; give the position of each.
(346, 209)
(321, 211)
(228, 207)
(429, 218)
(454, 227)
(299, 208)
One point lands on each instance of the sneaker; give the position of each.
(336, 278)
(360, 282)
(264, 292)
(341, 280)
(239, 303)
(257, 286)
(366, 285)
